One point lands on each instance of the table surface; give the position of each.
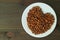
(10, 20)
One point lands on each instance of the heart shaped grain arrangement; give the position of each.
(39, 22)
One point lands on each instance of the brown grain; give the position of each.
(38, 22)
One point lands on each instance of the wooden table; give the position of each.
(10, 20)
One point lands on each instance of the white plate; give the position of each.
(45, 8)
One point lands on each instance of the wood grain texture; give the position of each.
(9, 16)
(10, 20)
(10, 1)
